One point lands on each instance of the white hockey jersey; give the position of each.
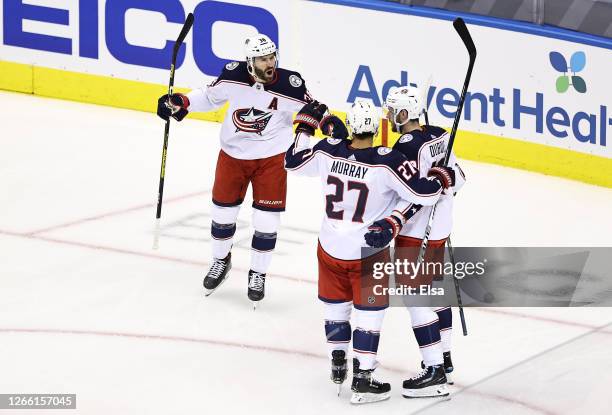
(427, 148)
(258, 123)
(360, 186)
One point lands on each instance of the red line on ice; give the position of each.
(216, 342)
(113, 213)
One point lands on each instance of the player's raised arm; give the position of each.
(300, 157)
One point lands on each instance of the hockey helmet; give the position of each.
(404, 98)
(363, 118)
(257, 46)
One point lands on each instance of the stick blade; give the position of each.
(464, 33)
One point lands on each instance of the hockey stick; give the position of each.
(162, 174)
(451, 254)
(463, 32)
(424, 96)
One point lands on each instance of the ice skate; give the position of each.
(365, 388)
(448, 367)
(429, 383)
(257, 287)
(338, 368)
(217, 274)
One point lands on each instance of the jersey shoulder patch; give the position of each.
(433, 132)
(387, 156)
(332, 146)
(235, 72)
(295, 81)
(231, 66)
(290, 84)
(410, 143)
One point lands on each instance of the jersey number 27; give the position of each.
(338, 196)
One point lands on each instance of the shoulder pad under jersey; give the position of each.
(333, 146)
(387, 156)
(235, 72)
(290, 84)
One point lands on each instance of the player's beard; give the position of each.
(265, 75)
(393, 126)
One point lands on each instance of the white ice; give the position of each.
(87, 307)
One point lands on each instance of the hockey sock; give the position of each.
(445, 316)
(426, 329)
(264, 239)
(223, 229)
(337, 326)
(222, 235)
(366, 336)
(262, 246)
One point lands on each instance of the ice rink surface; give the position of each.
(87, 307)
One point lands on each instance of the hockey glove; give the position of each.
(444, 175)
(383, 231)
(309, 117)
(175, 107)
(334, 127)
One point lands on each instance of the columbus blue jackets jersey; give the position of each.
(427, 148)
(359, 186)
(259, 118)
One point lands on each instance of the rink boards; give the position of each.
(520, 112)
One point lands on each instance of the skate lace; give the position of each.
(257, 281)
(216, 269)
(419, 375)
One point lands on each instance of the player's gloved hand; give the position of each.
(444, 175)
(309, 117)
(175, 107)
(334, 127)
(383, 231)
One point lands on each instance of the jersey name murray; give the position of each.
(348, 169)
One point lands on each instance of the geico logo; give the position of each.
(516, 109)
(88, 20)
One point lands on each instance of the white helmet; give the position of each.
(257, 46)
(363, 117)
(404, 98)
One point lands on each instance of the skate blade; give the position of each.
(449, 379)
(435, 391)
(361, 398)
(254, 305)
(339, 388)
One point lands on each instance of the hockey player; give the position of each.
(426, 147)
(255, 134)
(361, 185)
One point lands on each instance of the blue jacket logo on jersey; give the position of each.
(251, 120)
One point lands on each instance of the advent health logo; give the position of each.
(577, 64)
